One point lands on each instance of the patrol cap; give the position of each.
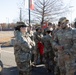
(20, 24)
(63, 20)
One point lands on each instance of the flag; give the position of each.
(31, 5)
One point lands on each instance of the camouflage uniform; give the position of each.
(56, 68)
(30, 34)
(37, 38)
(22, 50)
(48, 51)
(67, 56)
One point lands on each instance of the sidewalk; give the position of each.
(35, 71)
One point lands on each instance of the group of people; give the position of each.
(54, 46)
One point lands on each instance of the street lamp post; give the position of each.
(20, 14)
(29, 11)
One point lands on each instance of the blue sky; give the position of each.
(9, 10)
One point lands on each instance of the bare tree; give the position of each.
(48, 10)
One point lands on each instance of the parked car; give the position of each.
(1, 66)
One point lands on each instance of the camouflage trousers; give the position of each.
(66, 63)
(61, 64)
(49, 61)
(23, 62)
(38, 55)
(24, 68)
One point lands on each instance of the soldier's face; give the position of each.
(23, 29)
(40, 30)
(63, 25)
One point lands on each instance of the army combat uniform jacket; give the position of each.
(22, 50)
(66, 57)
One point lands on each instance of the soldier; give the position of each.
(30, 34)
(48, 51)
(64, 42)
(22, 49)
(37, 38)
(56, 68)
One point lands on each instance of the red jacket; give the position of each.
(41, 48)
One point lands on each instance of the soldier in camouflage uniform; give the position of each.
(37, 38)
(64, 42)
(48, 51)
(22, 49)
(30, 34)
(56, 68)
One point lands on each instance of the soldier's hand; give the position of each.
(31, 43)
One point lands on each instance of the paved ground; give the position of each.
(7, 57)
(5, 36)
(35, 71)
(8, 60)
